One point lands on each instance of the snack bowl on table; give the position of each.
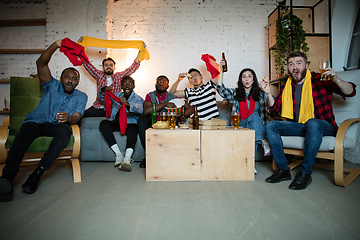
(183, 125)
(161, 125)
(179, 103)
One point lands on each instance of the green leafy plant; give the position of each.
(290, 36)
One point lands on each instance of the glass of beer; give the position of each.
(235, 117)
(172, 119)
(323, 65)
(163, 116)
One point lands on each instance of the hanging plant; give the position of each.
(288, 27)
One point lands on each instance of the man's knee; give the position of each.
(312, 125)
(64, 130)
(270, 126)
(103, 125)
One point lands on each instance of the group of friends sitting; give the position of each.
(304, 100)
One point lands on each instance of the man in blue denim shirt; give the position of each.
(60, 106)
(134, 107)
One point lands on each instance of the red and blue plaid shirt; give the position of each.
(322, 95)
(100, 78)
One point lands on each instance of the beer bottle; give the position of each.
(196, 119)
(183, 114)
(224, 68)
(153, 114)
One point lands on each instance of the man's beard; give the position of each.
(160, 91)
(302, 75)
(66, 89)
(109, 71)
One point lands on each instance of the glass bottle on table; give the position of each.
(183, 119)
(153, 114)
(196, 119)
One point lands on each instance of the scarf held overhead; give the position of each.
(306, 104)
(117, 44)
(211, 65)
(75, 52)
(122, 110)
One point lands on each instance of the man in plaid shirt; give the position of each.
(107, 77)
(321, 123)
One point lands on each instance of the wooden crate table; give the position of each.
(199, 155)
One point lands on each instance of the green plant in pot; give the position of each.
(290, 36)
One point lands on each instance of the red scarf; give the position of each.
(244, 109)
(122, 111)
(75, 52)
(211, 65)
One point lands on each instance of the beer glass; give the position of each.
(322, 66)
(235, 117)
(163, 116)
(172, 119)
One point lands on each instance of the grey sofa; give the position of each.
(94, 148)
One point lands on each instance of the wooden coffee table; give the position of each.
(200, 155)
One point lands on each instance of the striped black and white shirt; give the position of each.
(204, 97)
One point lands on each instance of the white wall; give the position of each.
(344, 14)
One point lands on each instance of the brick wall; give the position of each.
(179, 32)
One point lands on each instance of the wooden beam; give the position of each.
(21, 51)
(23, 22)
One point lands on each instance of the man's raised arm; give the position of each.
(42, 63)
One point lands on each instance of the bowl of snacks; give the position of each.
(179, 103)
(161, 125)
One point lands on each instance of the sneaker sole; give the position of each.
(125, 167)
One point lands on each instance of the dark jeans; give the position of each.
(143, 124)
(93, 112)
(107, 128)
(28, 132)
(313, 131)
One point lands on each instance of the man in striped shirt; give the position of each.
(107, 77)
(202, 95)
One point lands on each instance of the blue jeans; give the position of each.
(28, 132)
(254, 122)
(313, 131)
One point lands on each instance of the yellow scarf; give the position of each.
(306, 104)
(119, 44)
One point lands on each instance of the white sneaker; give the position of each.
(255, 172)
(126, 164)
(266, 147)
(119, 157)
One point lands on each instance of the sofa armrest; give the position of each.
(76, 147)
(4, 130)
(339, 153)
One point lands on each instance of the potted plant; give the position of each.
(290, 36)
